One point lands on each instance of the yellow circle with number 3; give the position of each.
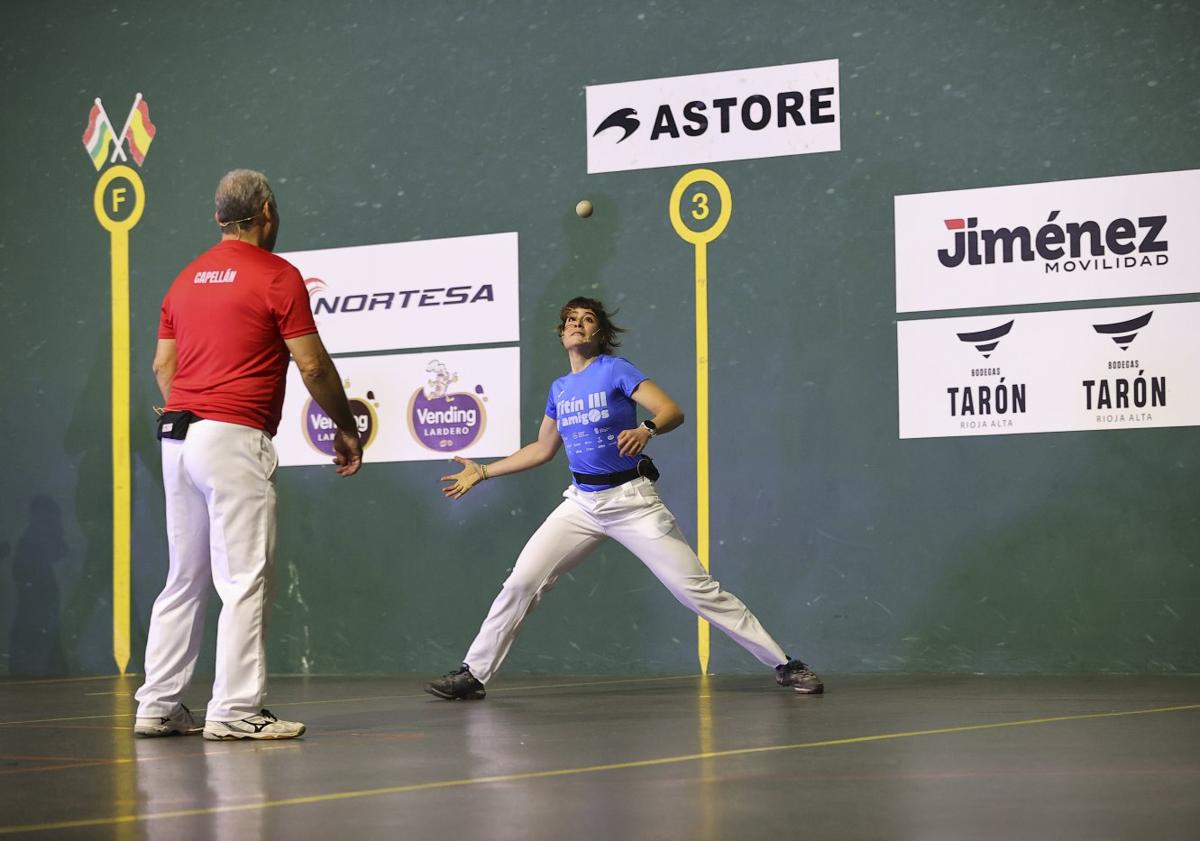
(702, 209)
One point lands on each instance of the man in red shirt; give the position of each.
(230, 322)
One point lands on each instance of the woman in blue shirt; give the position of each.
(592, 412)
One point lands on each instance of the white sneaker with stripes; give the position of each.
(261, 726)
(179, 723)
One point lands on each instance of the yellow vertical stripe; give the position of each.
(700, 240)
(120, 447)
(110, 209)
(702, 546)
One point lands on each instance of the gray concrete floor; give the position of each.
(570, 757)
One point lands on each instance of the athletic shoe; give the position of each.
(261, 726)
(458, 685)
(800, 677)
(179, 723)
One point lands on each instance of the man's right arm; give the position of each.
(323, 383)
(165, 363)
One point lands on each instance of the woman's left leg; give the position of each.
(653, 536)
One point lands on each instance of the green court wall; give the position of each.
(385, 122)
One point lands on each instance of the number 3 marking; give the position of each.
(701, 202)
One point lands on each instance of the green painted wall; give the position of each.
(392, 121)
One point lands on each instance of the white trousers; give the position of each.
(634, 516)
(220, 502)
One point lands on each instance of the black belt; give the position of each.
(645, 467)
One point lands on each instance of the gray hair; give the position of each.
(240, 197)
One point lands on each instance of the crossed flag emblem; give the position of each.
(138, 130)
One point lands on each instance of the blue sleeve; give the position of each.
(551, 409)
(626, 377)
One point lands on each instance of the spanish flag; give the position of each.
(98, 136)
(141, 131)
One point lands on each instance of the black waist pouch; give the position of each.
(174, 425)
(645, 467)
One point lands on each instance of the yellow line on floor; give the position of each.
(48, 680)
(566, 772)
(518, 688)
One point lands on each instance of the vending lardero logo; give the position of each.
(992, 403)
(442, 420)
(320, 430)
(1127, 397)
(1063, 247)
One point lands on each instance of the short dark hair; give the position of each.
(240, 197)
(607, 334)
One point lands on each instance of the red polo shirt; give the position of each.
(229, 312)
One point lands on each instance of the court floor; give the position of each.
(609, 757)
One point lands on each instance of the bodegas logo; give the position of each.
(984, 400)
(986, 341)
(1121, 396)
(1063, 247)
(1124, 332)
(320, 430)
(445, 421)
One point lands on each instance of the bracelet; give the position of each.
(483, 467)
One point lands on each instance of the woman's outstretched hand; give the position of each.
(470, 476)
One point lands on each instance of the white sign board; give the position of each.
(412, 407)
(1092, 239)
(1117, 368)
(764, 112)
(428, 293)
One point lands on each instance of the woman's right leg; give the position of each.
(559, 545)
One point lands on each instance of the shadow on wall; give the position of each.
(91, 594)
(36, 641)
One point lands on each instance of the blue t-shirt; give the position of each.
(590, 408)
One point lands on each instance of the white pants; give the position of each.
(220, 501)
(634, 516)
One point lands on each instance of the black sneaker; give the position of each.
(800, 677)
(458, 685)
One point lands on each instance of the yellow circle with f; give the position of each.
(108, 204)
(701, 176)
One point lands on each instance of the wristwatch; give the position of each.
(651, 426)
